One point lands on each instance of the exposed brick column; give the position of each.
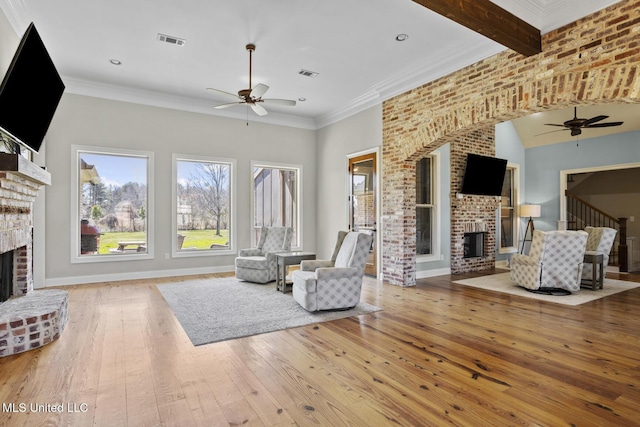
(593, 60)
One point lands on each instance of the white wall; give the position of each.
(87, 121)
(9, 41)
(360, 132)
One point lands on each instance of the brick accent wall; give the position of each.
(471, 209)
(593, 60)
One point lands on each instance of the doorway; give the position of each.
(363, 202)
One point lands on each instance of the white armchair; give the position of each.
(259, 264)
(333, 284)
(600, 241)
(554, 261)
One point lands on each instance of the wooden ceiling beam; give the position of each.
(490, 20)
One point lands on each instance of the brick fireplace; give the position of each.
(29, 318)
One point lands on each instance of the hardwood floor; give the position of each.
(438, 354)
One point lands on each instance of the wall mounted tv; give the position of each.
(30, 92)
(483, 175)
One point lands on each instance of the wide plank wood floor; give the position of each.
(438, 354)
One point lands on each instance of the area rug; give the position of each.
(502, 283)
(219, 309)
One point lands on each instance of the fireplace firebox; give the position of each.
(474, 244)
(6, 276)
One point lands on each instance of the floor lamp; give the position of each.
(531, 211)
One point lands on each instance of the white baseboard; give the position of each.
(80, 280)
(432, 273)
(502, 264)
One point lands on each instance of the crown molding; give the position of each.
(566, 11)
(360, 103)
(174, 102)
(406, 80)
(17, 15)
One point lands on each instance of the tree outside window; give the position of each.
(203, 205)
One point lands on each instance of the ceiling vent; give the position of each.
(171, 40)
(308, 73)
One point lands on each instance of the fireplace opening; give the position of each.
(474, 244)
(6, 276)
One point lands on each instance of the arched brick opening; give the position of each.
(591, 61)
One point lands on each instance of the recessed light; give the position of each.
(401, 37)
(302, 99)
(115, 62)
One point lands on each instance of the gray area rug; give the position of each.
(218, 309)
(502, 283)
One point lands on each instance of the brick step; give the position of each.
(31, 321)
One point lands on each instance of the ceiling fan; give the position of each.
(252, 96)
(576, 125)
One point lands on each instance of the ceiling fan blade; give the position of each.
(259, 91)
(258, 109)
(223, 106)
(604, 125)
(287, 102)
(553, 124)
(594, 119)
(552, 131)
(223, 92)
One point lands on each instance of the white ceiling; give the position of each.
(351, 44)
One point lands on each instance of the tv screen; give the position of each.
(30, 92)
(483, 175)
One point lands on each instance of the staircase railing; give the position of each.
(581, 214)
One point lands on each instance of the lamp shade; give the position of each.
(532, 211)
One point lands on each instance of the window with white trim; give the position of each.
(112, 209)
(203, 205)
(427, 208)
(276, 194)
(508, 224)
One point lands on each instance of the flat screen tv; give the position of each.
(30, 92)
(483, 175)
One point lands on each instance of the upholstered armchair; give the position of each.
(258, 264)
(554, 261)
(333, 284)
(600, 241)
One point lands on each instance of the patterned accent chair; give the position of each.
(600, 241)
(333, 285)
(258, 264)
(554, 261)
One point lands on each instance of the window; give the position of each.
(203, 205)
(276, 190)
(427, 201)
(112, 215)
(508, 203)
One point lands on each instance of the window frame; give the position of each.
(76, 256)
(174, 203)
(436, 204)
(515, 186)
(295, 245)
